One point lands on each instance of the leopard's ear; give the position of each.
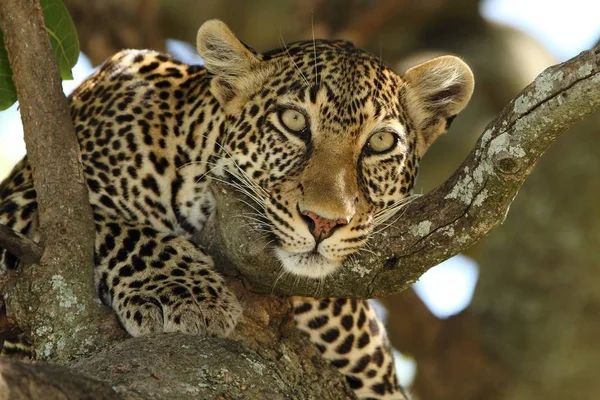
(227, 58)
(436, 91)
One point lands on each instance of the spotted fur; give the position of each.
(154, 133)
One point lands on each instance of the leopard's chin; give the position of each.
(307, 264)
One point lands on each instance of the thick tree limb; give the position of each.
(21, 381)
(450, 218)
(268, 358)
(54, 301)
(191, 367)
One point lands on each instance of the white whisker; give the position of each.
(243, 175)
(206, 173)
(390, 213)
(320, 287)
(281, 274)
(242, 189)
(291, 58)
(312, 25)
(367, 250)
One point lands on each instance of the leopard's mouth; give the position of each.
(310, 264)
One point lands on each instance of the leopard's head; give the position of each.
(325, 138)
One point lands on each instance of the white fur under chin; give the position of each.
(306, 264)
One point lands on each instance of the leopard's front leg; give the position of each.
(351, 336)
(158, 282)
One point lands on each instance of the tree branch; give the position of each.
(21, 246)
(37, 381)
(266, 358)
(53, 302)
(445, 221)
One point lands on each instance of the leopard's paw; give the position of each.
(180, 307)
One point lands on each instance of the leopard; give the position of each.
(323, 138)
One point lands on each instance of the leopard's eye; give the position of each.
(292, 120)
(382, 142)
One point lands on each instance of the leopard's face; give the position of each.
(325, 139)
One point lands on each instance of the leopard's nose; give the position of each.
(320, 227)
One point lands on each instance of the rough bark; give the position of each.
(22, 247)
(50, 382)
(54, 301)
(208, 368)
(446, 220)
(266, 358)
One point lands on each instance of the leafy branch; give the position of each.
(63, 41)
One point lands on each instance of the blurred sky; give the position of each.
(564, 27)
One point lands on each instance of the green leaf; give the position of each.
(63, 36)
(63, 40)
(8, 92)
